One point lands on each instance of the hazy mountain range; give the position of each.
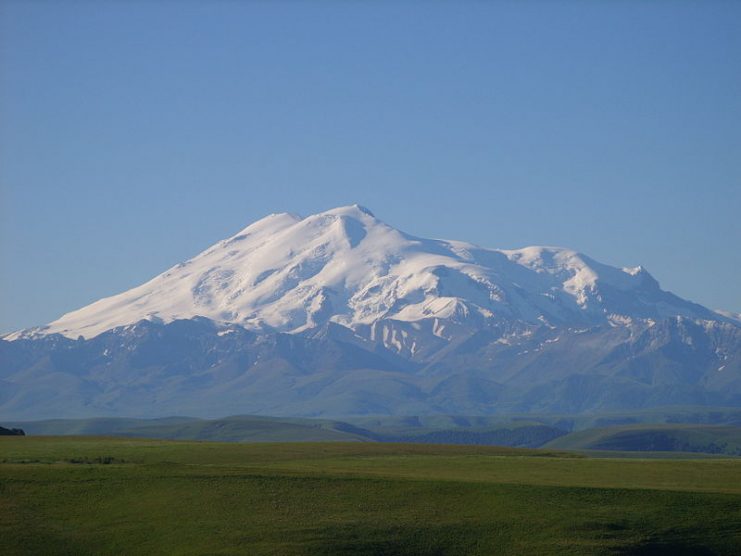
(340, 314)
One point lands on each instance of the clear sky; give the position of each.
(135, 134)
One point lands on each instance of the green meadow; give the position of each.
(94, 495)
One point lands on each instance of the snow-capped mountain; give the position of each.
(339, 313)
(289, 274)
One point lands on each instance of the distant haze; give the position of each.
(135, 135)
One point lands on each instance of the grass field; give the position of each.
(88, 495)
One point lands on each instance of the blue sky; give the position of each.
(135, 134)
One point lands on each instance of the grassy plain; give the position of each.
(91, 495)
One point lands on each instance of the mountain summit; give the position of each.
(290, 274)
(340, 314)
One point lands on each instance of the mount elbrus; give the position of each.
(341, 314)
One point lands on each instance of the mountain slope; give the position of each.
(340, 314)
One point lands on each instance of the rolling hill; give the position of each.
(709, 439)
